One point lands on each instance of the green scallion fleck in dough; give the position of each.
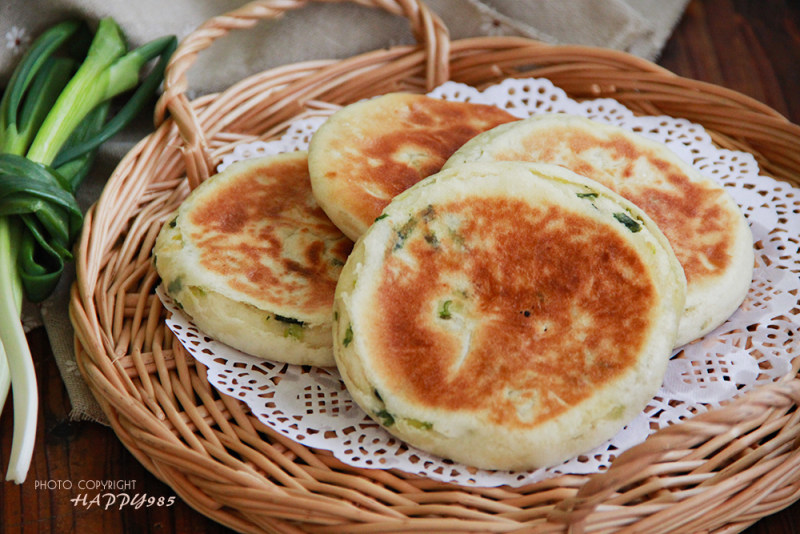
(444, 310)
(294, 330)
(629, 223)
(175, 286)
(386, 418)
(289, 320)
(422, 425)
(404, 232)
(348, 336)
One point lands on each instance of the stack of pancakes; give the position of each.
(515, 289)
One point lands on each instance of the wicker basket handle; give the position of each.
(426, 26)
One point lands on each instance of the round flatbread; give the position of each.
(702, 222)
(368, 152)
(253, 260)
(507, 315)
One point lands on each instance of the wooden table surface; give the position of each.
(752, 46)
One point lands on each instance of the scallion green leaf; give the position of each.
(53, 116)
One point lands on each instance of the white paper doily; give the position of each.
(755, 346)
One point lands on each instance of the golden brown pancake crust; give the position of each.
(690, 214)
(402, 139)
(280, 229)
(564, 300)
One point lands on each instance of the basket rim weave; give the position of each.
(718, 472)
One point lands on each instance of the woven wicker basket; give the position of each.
(718, 472)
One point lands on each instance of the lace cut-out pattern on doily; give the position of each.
(754, 346)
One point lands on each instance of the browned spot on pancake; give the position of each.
(399, 145)
(561, 306)
(266, 234)
(687, 212)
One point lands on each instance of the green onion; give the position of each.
(348, 336)
(53, 116)
(444, 310)
(17, 358)
(403, 232)
(421, 425)
(386, 418)
(289, 320)
(629, 223)
(294, 330)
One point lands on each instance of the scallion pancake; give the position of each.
(507, 315)
(254, 261)
(702, 222)
(368, 152)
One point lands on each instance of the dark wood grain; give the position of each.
(750, 46)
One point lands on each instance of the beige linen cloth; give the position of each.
(315, 31)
